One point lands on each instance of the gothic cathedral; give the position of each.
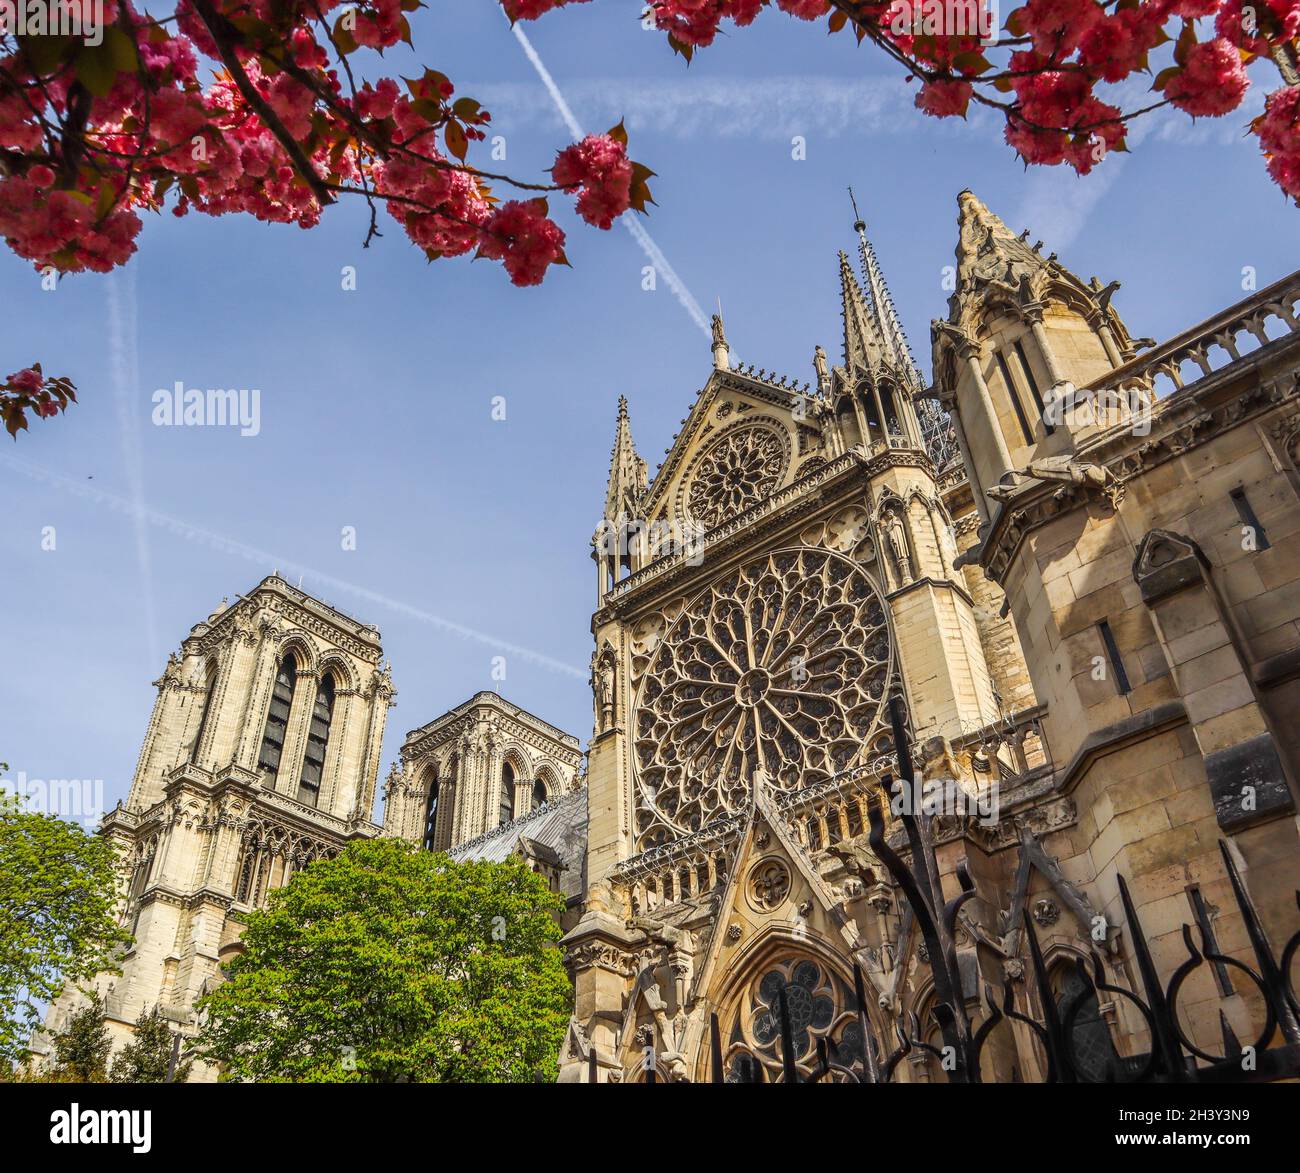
(1069, 559)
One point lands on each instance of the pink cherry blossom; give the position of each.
(524, 239)
(600, 167)
(28, 381)
(943, 98)
(1213, 81)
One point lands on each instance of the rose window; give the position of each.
(741, 469)
(781, 666)
(819, 1005)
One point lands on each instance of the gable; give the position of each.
(744, 439)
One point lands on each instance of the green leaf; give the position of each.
(457, 143)
(390, 963)
(342, 37)
(95, 69)
(46, 54)
(121, 49)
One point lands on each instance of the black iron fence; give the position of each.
(1173, 1058)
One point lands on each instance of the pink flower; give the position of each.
(377, 102)
(692, 22)
(943, 98)
(600, 167)
(41, 175)
(804, 9)
(1279, 127)
(29, 381)
(1057, 26)
(1279, 137)
(1212, 82)
(1115, 45)
(529, 9)
(524, 239)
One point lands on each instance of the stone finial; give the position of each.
(721, 351)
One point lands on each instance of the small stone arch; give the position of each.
(776, 944)
(298, 645)
(549, 777)
(338, 664)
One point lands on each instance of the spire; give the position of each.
(880, 309)
(874, 338)
(627, 471)
(862, 345)
(986, 244)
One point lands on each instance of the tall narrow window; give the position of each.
(1014, 396)
(277, 719)
(1033, 386)
(507, 793)
(431, 814)
(313, 761)
(892, 425)
(1122, 685)
(1092, 1051)
(539, 793)
(1248, 519)
(207, 708)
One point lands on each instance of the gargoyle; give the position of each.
(1053, 468)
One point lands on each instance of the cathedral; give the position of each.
(1070, 558)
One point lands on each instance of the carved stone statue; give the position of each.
(897, 536)
(821, 367)
(603, 678)
(719, 338)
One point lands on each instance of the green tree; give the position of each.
(58, 920)
(81, 1047)
(390, 964)
(145, 1058)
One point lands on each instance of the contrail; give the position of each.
(124, 362)
(142, 514)
(628, 220)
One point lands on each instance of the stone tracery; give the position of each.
(740, 469)
(820, 1006)
(781, 666)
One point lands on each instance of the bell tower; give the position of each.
(261, 755)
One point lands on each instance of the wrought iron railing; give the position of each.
(1173, 1057)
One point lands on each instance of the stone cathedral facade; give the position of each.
(1071, 554)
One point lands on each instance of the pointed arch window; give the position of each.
(431, 813)
(210, 685)
(1091, 1048)
(277, 718)
(313, 761)
(539, 793)
(507, 793)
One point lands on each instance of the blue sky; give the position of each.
(376, 405)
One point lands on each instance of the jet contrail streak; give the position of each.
(193, 533)
(628, 220)
(125, 366)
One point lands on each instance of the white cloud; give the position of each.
(768, 108)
